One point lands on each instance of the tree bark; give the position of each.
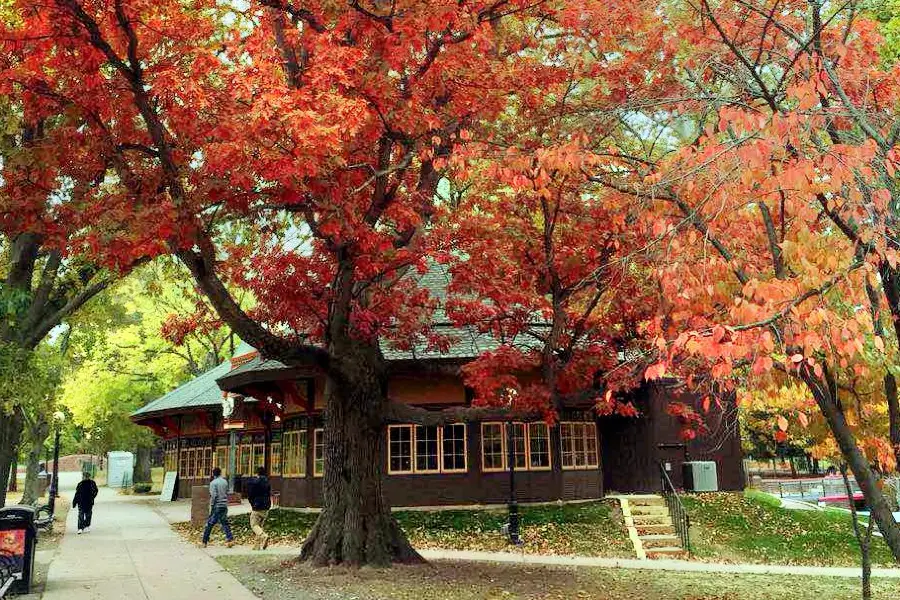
(826, 398)
(10, 433)
(890, 392)
(37, 436)
(142, 470)
(356, 526)
(863, 540)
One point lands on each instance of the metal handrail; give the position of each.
(681, 521)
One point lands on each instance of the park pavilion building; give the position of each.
(271, 415)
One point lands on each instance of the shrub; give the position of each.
(142, 488)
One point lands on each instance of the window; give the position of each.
(531, 443)
(244, 459)
(319, 452)
(538, 446)
(579, 445)
(426, 449)
(259, 457)
(454, 448)
(400, 448)
(204, 456)
(294, 444)
(171, 461)
(427, 444)
(221, 459)
(276, 459)
(493, 447)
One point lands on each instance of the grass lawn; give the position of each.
(592, 528)
(752, 528)
(269, 577)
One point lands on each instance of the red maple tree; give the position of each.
(317, 135)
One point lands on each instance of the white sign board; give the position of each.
(168, 489)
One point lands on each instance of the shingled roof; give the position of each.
(200, 392)
(466, 343)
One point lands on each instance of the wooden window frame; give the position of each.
(504, 436)
(584, 427)
(276, 459)
(465, 438)
(414, 453)
(412, 449)
(549, 466)
(317, 434)
(503, 449)
(301, 444)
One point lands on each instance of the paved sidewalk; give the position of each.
(591, 561)
(131, 553)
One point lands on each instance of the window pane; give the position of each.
(455, 447)
(590, 443)
(568, 456)
(400, 448)
(492, 445)
(319, 456)
(539, 445)
(301, 453)
(276, 459)
(427, 448)
(578, 444)
(519, 445)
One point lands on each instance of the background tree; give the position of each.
(151, 334)
(777, 186)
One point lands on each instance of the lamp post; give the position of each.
(58, 418)
(513, 506)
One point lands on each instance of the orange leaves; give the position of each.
(782, 423)
(655, 371)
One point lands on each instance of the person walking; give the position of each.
(85, 493)
(259, 493)
(218, 508)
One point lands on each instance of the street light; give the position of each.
(58, 418)
(513, 506)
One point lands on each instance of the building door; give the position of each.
(672, 457)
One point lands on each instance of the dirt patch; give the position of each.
(270, 577)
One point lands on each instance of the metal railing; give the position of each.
(681, 521)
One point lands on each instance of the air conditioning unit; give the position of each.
(700, 476)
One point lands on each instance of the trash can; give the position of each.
(18, 537)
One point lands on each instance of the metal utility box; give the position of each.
(119, 469)
(18, 537)
(701, 476)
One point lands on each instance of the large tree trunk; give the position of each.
(356, 526)
(829, 405)
(37, 436)
(142, 466)
(10, 432)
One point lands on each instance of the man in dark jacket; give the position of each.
(85, 494)
(259, 493)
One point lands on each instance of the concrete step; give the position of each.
(671, 552)
(662, 528)
(649, 510)
(651, 542)
(639, 520)
(648, 501)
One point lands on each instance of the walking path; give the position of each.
(684, 566)
(131, 553)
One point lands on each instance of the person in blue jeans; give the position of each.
(218, 508)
